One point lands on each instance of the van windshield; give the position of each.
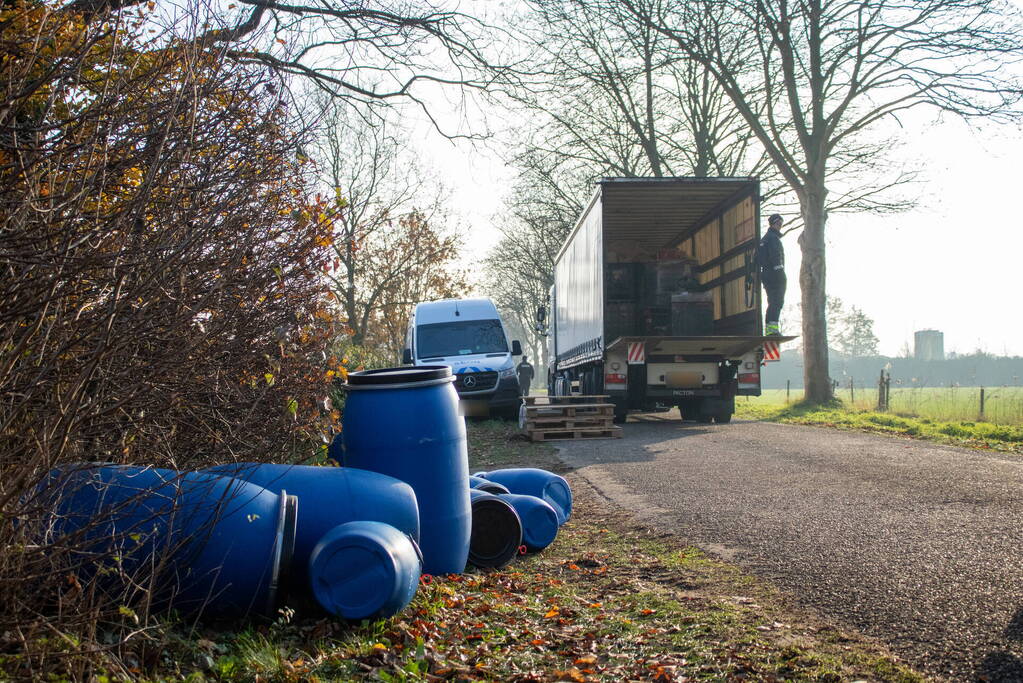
(460, 338)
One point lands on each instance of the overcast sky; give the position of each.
(954, 264)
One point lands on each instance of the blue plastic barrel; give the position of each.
(484, 485)
(224, 544)
(364, 570)
(539, 520)
(531, 481)
(404, 422)
(331, 496)
(496, 530)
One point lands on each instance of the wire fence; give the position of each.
(1000, 405)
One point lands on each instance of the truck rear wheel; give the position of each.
(688, 409)
(723, 418)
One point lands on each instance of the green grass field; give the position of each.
(1002, 405)
(943, 415)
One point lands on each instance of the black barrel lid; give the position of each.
(404, 375)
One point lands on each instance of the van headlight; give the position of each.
(506, 373)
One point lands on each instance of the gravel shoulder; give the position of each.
(913, 543)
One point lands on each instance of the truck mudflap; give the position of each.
(730, 347)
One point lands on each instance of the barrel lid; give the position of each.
(496, 531)
(358, 569)
(403, 375)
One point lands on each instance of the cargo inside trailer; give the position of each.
(676, 255)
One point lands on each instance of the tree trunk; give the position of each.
(816, 377)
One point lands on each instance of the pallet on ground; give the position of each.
(562, 422)
(563, 400)
(570, 410)
(566, 434)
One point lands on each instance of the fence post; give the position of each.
(852, 391)
(788, 386)
(982, 403)
(881, 403)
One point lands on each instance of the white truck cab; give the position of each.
(468, 336)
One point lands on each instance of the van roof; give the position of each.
(481, 308)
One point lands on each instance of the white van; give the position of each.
(468, 336)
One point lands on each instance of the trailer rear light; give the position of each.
(749, 378)
(614, 378)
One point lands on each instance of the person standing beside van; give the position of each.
(525, 373)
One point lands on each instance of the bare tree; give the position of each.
(414, 263)
(519, 271)
(816, 80)
(392, 243)
(615, 98)
(370, 51)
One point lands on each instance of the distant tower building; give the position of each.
(929, 345)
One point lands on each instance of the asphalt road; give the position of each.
(916, 544)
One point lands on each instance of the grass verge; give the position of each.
(980, 435)
(608, 601)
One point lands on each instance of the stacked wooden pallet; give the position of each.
(550, 418)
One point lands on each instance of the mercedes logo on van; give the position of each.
(469, 382)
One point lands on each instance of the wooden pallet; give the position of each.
(570, 410)
(566, 434)
(581, 422)
(562, 400)
(551, 418)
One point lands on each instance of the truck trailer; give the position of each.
(656, 301)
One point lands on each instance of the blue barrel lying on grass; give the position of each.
(539, 520)
(484, 485)
(330, 496)
(531, 481)
(364, 570)
(404, 422)
(496, 530)
(219, 545)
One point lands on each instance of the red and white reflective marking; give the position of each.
(637, 353)
(771, 351)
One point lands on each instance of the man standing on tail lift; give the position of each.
(771, 261)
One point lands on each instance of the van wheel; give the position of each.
(621, 411)
(592, 381)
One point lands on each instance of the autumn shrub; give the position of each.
(162, 296)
